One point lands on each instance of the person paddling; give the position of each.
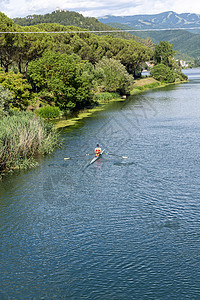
(97, 150)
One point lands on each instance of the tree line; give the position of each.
(67, 70)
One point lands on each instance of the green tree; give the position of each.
(8, 46)
(163, 73)
(113, 76)
(6, 100)
(61, 79)
(19, 88)
(133, 56)
(164, 53)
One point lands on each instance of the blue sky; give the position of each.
(91, 8)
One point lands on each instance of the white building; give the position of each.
(183, 64)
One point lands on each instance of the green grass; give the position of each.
(49, 112)
(105, 97)
(139, 89)
(23, 135)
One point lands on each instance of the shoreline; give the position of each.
(140, 86)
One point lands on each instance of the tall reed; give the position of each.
(22, 136)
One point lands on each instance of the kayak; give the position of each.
(96, 157)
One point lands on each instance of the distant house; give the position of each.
(60, 10)
(149, 64)
(183, 64)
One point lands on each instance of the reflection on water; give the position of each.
(121, 228)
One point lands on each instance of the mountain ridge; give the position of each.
(163, 20)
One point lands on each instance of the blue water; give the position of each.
(120, 228)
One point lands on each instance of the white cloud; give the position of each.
(13, 8)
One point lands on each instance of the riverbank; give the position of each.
(140, 85)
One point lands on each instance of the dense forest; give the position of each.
(21, 52)
(68, 69)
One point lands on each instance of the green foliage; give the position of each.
(115, 77)
(197, 63)
(164, 53)
(106, 96)
(27, 47)
(8, 47)
(163, 73)
(6, 100)
(147, 86)
(18, 87)
(180, 76)
(22, 136)
(166, 68)
(185, 42)
(48, 112)
(61, 79)
(132, 55)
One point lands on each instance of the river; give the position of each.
(122, 228)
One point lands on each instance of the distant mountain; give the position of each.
(184, 41)
(163, 20)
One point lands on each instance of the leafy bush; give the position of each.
(61, 79)
(181, 76)
(18, 87)
(6, 100)
(102, 97)
(48, 112)
(163, 73)
(115, 77)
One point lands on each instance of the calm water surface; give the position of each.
(121, 228)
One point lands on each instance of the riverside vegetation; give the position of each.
(23, 135)
(54, 74)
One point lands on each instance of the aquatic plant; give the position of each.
(23, 135)
(48, 112)
(105, 96)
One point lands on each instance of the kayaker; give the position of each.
(97, 150)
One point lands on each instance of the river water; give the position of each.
(120, 228)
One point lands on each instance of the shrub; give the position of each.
(6, 100)
(114, 77)
(181, 76)
(49, 112)
(102, 97)
(163, 73)
(61, 79)
(18, 87)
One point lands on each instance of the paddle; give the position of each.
(117, 155)
(71, 157)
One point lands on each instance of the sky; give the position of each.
(98, 8)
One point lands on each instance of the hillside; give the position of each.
(70, 18)
(184, 41)
(163, 20)
(64, 18)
